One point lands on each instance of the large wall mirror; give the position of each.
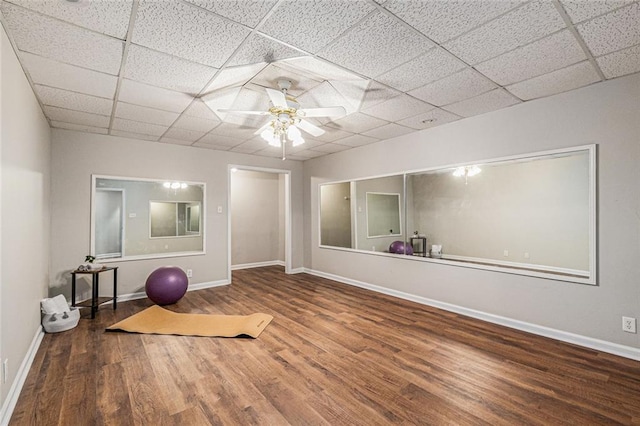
(144, 218)
(532, 214)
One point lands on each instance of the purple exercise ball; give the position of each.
(166, 285)
(399, 247)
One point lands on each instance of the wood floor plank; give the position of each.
(333, 354)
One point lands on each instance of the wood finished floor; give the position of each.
(334, 354)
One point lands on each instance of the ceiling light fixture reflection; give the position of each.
(175, 185)
(467, 172)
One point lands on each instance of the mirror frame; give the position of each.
(92, 238)
(539, 272)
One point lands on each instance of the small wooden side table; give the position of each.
(419, 246)
(95, 299)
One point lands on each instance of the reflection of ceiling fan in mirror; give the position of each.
(287, 118)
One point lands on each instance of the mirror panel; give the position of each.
(383, 215)
(143, 218)
(532, 214)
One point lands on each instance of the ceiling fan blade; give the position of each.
(261, 129)
(312, 129)
(234, 111)
(322, 112)
(277, 98)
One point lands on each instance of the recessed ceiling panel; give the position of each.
(443, 20)
(258, 49)
(456, 87)
(71, 100)
(613, 31)
(429, 119)
(376, 45)
(357, 123)
(76, 117)
(56, 74)
(620, 63)
(397, 108)
(388, 131)
(159, 69)
(138, 127)
(490, 101)
(247, 12)
(155, 97)
(311, 25)
(580, 10)
(517, 28)
(187, 31)
(62, 42)
(107, 17)
(432, 66)
(559, 81)
(549, 54)
(145, 114)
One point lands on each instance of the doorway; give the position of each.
(109, 239)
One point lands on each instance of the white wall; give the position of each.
(76, 156)
(256, 231)
(24, 213)
(607, 114)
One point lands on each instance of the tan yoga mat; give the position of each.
(156, 320)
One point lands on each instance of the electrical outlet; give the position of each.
(189, 273)
(629, 324)
(5, 370)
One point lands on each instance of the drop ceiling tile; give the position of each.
(56, 74)
(309, 143)
(187, 31)
(145, 114)
(331, 135)
(317, 68)
(397, 108)
(517, 28)
(432, 66)
(152, 96)
(490, 101)
(210, 146)
(133, 135)
(245, 149)
(426, 120)
(331, 148)
(381, 37)
(357, 140)
(138, 127)
(261, 49)
(549, 54)
(456, 87)
(308, 154)
(613, 31)
(159, 69)
(443, 20)
(389, 131)
(76, 117)
(620, 63)
(326, 95)
(176, 141)
(107, 17)
(247, 12)
(271, 74)
(235, 76)
(234, 131)
(559, 81)
(220, 140)
(580, 10)
(357, 123)
(199, 109)
(182, 134)
(71, 100)
(196, 124)
(377, 93)
(311, 25)
(251, 100)
(79, 127)
(62, 42)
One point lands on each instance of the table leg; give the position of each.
(115, 288)
(73, 289)
(94, 297)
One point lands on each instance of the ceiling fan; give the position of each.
(287, 118)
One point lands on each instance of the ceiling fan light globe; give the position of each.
(293, 133)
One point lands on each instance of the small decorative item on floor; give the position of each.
(58, 316)
(89, 266)
(400, 247)
(166, 285)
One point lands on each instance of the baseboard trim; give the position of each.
(257, 264)
(192, 287)
(576, 339)
(16, 387)
(297, 271)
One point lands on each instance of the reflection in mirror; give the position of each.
(532, 214)
(142, 218)
(383, 215)
(335, 213)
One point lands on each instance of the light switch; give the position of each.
(219, 209)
